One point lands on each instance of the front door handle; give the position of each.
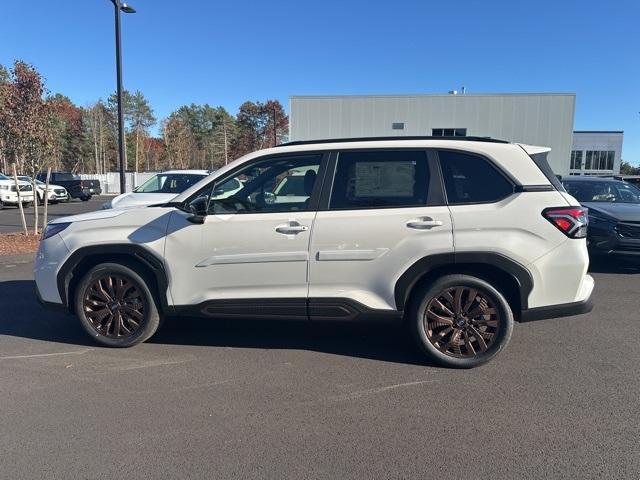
(424, 223)
(291, 228)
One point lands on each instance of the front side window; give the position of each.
(169, 183)
(274, 185)
(472, 179)
(380, 179)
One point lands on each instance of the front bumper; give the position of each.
(51, 255)
(9, 199)
(621, 239)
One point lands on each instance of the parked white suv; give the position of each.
(457, 237)
(160, 188)
(9, 194)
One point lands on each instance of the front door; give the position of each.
(251, 254)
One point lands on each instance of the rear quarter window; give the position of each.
(469, 178)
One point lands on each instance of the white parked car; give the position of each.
(458, 238)
(9, 195)
(56, 193)
(160, 188)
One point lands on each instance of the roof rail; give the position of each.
(372, 139)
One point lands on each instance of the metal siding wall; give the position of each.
(536, 119)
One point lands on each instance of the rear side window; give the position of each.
(540, 159)
(380, 179)
(472, 179)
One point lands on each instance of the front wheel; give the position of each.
(115, 306)
(461, 321)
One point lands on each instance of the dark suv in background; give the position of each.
(614, 214)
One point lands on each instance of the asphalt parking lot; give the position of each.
(10, 216)
(243, 399)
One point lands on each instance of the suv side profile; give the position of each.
(457, 238)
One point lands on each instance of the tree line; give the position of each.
(39, 130)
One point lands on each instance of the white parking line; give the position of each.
(77, 352)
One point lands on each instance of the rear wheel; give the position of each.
(461, 321)
(86, 198)
(115, 306)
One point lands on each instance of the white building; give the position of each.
(544, 119)
(596, 153)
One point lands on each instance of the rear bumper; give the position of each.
(557, 311)
(584, 304)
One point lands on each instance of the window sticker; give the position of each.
(384, 179)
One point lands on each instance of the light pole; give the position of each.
(118, 6)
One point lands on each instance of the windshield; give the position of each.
(611, 192)
(4, 177)
(169, 183)
(65, 177)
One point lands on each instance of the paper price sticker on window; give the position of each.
(386, 179)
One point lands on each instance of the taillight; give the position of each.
(81, 184)
(572, 221)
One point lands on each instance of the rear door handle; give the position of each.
(291, 228)
(425, 223)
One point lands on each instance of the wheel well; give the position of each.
(88, 262)
(503, 281)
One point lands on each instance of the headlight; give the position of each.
(107, 205)
(598, 219)
(54, 228)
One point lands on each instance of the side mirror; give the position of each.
(269, 198)
(198, 210)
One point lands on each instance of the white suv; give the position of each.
(456, 237)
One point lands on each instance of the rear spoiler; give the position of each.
(534, 149)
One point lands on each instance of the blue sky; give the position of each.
(224, 53)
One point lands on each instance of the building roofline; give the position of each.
(598, 131)
(408, 95)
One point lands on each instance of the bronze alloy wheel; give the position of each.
(114, 306)
(461, 322)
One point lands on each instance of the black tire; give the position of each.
(483, 321)
(27, 204)
(86, 198)
(1, 205)
(88, 306)
(68, 199)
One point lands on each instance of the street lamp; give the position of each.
(118, 6)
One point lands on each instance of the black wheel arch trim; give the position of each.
(425, 265)
(136, 252)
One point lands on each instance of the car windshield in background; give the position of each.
(66, 177)
(4, 177)
(169, 183)
(612, 192)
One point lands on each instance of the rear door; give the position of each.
(381, 211)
